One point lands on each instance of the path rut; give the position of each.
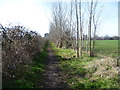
(53, 76)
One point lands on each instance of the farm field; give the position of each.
(107, 48)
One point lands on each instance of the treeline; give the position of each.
(19, 47)
(73, 22)
(107, 38)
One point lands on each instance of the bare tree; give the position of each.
(96, 23)
(81, 43)
(56, 25)
(93, 25)
(77, 28)
(61, 26)
(90, 26)
(67, 24)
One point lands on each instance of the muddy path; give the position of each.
(53, 76)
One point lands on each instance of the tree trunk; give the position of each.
(80, 29)
(90, 24)
(77, 28)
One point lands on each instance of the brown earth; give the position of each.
(53, 76)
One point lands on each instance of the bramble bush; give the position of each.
(19, 47)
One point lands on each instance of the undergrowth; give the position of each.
(32, 75)
(78, 76)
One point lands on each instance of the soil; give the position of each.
(53, 76)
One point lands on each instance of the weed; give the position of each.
(81, 71)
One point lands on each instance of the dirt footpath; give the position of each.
(53, 76)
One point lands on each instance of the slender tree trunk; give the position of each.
(93, 48)
(77, 28)
(90, 24)
(96, 22)
(87, 44)
(80, 29)
(71, 7)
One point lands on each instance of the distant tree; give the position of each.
(115, 38)
(106, 37)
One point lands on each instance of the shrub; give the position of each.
(19, 47)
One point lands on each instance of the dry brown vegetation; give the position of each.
(19, 47)
(103, 68)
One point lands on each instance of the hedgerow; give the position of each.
(19, 47)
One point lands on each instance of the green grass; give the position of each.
(107, 47)
(67, 53)
(79, 77)
(76, 75)
(32, 73)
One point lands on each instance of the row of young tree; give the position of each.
(19, 47)
(74, 25)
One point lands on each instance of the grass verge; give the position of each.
(87, 72)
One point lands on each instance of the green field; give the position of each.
(107, 48)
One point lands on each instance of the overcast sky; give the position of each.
(35, 14)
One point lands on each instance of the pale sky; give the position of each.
(36, 14)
